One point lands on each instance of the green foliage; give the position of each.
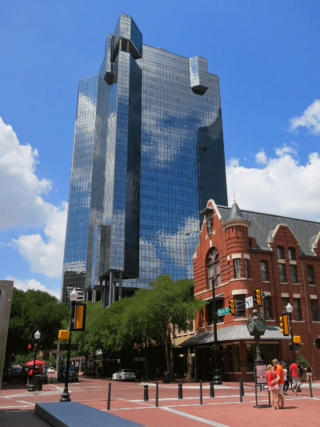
(144, 316)
(32, 311)
(303, 360)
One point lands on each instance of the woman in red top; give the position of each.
(273, 378)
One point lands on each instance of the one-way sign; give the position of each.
(249, 302)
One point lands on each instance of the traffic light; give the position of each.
(284, 325)
(29, 346)
(258, 297)
(79, 317)
(231, 306)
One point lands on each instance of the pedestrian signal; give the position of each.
(284, 325)
(231, 306)
(297, 339)
(258, 297)
(63, 334)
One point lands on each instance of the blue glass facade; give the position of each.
(148, 154)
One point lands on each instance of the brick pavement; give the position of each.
(127, 402)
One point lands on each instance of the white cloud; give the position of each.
(20, 189)
(283, 186)
(25, 285)
(285, 150)
(46, 257)
(261, 157)
(22, 205)
(309, 119)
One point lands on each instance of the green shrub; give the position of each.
(303, 360)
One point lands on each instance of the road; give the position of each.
(224, 410)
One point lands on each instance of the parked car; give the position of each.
(73, 376)
(50, 370)
(123, 375)
(14, 373)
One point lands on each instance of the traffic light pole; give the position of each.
(217, 376)
(291, 336)
(65, 397)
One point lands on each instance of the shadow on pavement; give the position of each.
(20, 418)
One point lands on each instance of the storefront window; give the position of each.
(229, 360)
(236, 353)
(251, 351)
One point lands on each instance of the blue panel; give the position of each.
(75, 414)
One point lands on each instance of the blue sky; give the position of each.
(265, 53)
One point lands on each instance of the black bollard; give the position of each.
(310, 387)
(211, 390)
(180, 396)
(200, 392)
(157, 395)
(240, 389)
(145, 394)
(109, 397)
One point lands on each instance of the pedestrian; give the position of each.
(309, 372)
(30, 375)
(276, 365)
(273, 378)
(285, 374)
(295, 377)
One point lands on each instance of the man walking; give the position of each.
(279, 369)
(295, 377)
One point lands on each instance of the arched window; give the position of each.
(213, 268)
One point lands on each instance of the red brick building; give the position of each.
(278, 254)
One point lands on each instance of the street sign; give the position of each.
(249, 302)
(65, 347)
(223, 311)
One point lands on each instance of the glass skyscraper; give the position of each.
(148, 154)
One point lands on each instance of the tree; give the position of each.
(303, 360)
(31, 311)
(166, 301)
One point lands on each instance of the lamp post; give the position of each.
(217, 376)
(65, 397)
(36, 337)
(289, 310)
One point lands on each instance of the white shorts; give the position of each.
(275, 387)
(296, 381)
(281, 389)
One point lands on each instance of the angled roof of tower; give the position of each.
(235, 212)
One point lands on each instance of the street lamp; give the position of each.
(65, 397)
(217, 376)
(289, 310)
(36, 337)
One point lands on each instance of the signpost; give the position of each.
(223, 311)
(249, 302)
